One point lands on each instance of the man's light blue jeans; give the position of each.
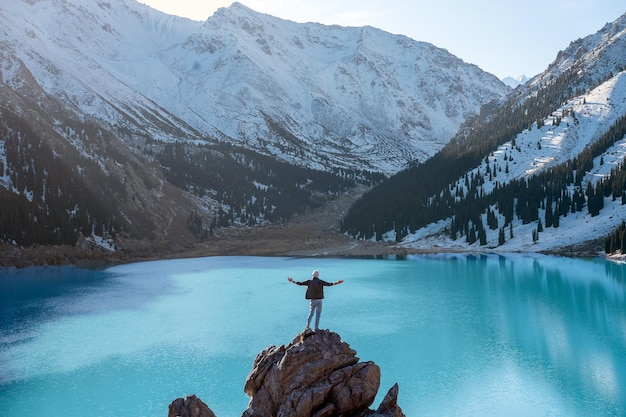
(316, 307)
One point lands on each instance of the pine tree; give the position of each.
(471, 236)
(549, 216)
(482, 235)
(555, 221)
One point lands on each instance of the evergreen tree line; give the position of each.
(613, 185)
(250, 187)
(555, 192)
(616, 241)
(197, 228)
(45, 199)
(420, 195)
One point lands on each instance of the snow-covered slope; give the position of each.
(321, 96)
(592, 71)
(583, 120)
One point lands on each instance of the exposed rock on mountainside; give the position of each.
(317, 374)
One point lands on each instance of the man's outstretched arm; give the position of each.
(328, 284)
(295, 282)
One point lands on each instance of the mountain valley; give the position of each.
(130, 134)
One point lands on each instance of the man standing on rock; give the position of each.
(315, 295)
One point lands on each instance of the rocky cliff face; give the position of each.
(316, 375)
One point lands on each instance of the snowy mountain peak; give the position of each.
(236, 13)
(513, 82)
(592, 56)
(320, 96)
(238, 9)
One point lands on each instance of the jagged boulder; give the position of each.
(316, 375)
(191, 406)
(389, 406)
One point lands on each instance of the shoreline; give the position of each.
(336, 246)
(314, 233)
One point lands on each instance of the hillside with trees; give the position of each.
(408, 202)
(48, 200)
(250, 188)
(76, 180)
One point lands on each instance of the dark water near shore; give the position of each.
(462, 335)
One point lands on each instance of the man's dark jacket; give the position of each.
(314, 288)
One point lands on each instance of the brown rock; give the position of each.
(191, 406)
(315, 375)
(389, 406)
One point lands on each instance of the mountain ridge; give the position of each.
(247, 64)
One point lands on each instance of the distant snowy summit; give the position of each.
(514, 82)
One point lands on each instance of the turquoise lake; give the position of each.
(462, 335)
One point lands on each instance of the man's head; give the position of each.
(316, 274)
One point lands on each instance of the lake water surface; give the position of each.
(462, 335)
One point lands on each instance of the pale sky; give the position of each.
(503, 37)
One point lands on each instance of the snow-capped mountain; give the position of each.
(319, 96)
(121, 125)
(513, 82)
(595, 70)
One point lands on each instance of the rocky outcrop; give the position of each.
(316, 375)
(191, 406)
